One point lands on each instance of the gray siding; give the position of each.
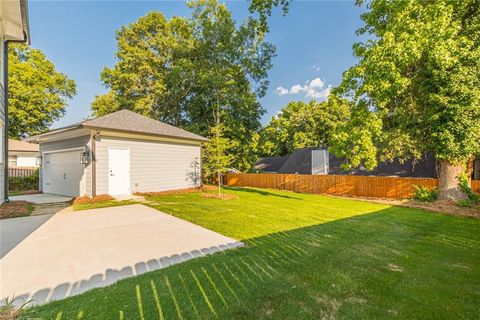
(154, 166)
(66, 144)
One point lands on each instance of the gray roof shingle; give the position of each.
(129, 121)
(126, 120)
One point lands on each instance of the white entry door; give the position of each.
(118, 171)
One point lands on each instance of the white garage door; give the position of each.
(63, 173)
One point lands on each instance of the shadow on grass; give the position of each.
(262, 192)
(361, 267)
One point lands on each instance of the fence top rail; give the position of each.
(330, 175)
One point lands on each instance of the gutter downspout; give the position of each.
(5, 136)
(93, 151)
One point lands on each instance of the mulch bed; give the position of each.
(222, 196)
(15, 209)
(448, 207)
(205, 188)
(96, 199)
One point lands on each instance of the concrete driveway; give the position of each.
(72, 252)
(14, 231)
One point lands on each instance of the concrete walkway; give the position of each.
(76, 251)
(41, 198)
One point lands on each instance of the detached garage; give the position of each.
(118, 154)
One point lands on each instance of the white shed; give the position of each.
(118, 154)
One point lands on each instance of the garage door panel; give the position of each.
(63, 173)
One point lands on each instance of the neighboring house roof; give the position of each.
(300, 161)
(270, 164)
(129, 121)
(17, 145)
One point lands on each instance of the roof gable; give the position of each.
(129, 122)
(126, 120)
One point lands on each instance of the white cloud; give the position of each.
(316, 68)
(313, 89)
(281, 91)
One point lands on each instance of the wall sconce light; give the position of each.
(84, 157)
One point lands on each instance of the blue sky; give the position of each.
(314, 45)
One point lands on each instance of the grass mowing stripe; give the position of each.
(243, 272)
(215, 288)
(202, 291)
(259, 267)
(225, 282)
(192, 303)
(157, 300)
(139, 303)
(177, 306)
(234, 276)
(251, 269)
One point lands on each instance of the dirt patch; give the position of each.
(15, 209)
(96, 199)
(446, 206)
(222, 196)
(205, 188)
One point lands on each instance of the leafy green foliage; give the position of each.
(38, 93)
(416, 86)
(425, 194)
(473, 198)
(186, 71)
(264, 9)
(216, 158)
(300, 125)
(26, 183)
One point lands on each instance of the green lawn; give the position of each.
(307, 257)
(101, 204)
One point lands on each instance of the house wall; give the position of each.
(77, 142)
(154, 166)
(2, 122)
(13, 158)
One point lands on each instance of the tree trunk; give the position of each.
(449, 188)
(219, 183)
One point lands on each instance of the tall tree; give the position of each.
(38, 93)
(416, 86)
(300, 125)
(193, 72)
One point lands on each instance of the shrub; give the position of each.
(473, 198)
(463, 180)
(96, 199)
(425, 194)
(24, 183)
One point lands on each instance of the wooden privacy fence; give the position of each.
(21, 172)
(356, 186)
(476, 185)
